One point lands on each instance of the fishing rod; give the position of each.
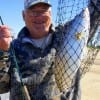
(17, 73)
(1, 21)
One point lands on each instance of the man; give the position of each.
(36, 53)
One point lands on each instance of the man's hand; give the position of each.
(5, 37)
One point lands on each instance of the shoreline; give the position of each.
(90, 83)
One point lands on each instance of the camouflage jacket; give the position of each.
(36, 70)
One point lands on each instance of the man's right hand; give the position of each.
(5, 37)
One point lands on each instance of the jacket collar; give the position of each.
(23, 36)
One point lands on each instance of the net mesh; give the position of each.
(76, 53)
(68, 9)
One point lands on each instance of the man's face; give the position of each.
(38, 20)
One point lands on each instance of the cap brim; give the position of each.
(33, 4)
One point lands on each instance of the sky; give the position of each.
(11, 13)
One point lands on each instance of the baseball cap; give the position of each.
(29, 3)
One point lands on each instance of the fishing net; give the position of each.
(82, 39)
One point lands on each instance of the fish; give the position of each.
(73, 50)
